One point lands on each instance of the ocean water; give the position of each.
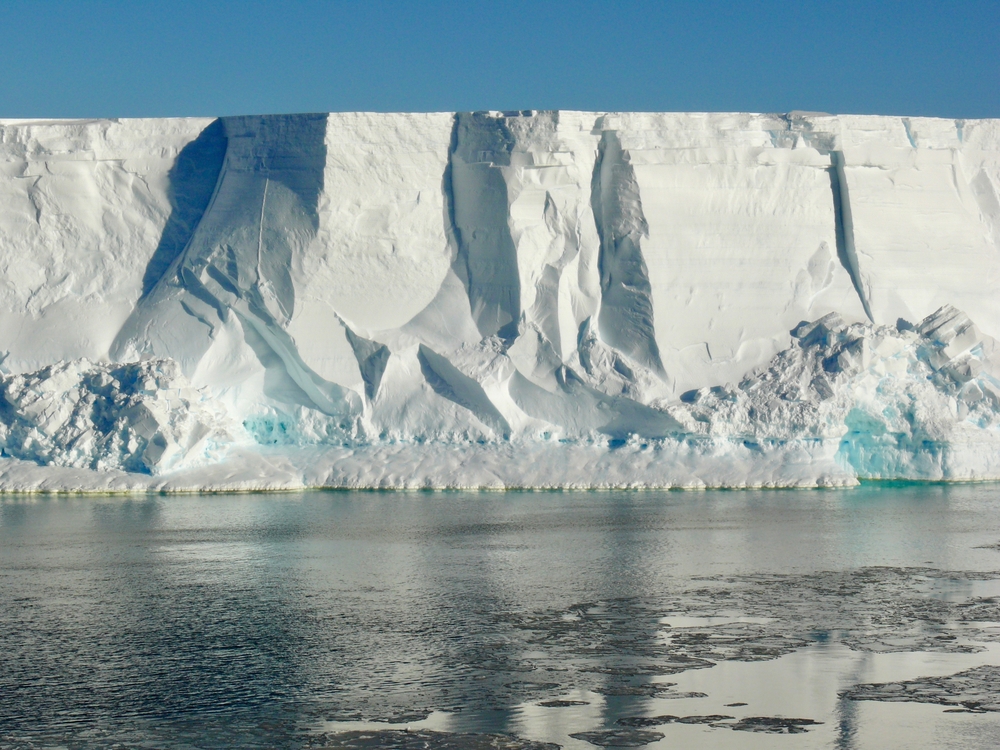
(864, 618)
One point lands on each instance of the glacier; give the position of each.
(498, 299)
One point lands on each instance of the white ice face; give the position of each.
(364, 281)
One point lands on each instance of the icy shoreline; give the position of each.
(845, 401)
(442, 467)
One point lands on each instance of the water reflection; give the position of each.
(264, 620)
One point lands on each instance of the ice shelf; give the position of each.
(529, 299)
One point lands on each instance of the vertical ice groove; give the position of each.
(194, 179)
(263, 211)
(478, 207)
(260, 232)
(844, 226)
(989, 204)
(452, 232)
(625, 319)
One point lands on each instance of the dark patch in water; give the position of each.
(423, 739)
(773, 725)
(619, 737)
(708, 719)
(975, 690)
(646, 721)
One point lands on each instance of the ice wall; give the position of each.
(88, 212)
(361, 280)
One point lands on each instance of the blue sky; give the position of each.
(150, 58)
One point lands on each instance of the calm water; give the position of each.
(338, 619)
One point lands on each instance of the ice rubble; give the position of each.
(900, 401)
(140, 417)
(498, 299)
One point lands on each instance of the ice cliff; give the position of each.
(544, 299)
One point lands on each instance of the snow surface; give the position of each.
(533, 299)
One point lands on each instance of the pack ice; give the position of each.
(529, 299)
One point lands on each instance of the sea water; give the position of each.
(503, 619)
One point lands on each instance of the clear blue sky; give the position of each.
(149, 58)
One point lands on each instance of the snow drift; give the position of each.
(543, 299)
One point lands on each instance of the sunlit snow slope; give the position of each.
(545, 299)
